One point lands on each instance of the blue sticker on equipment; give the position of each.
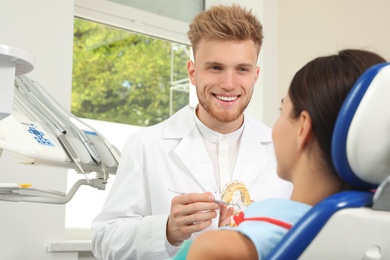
(39, 136)
(90, 133)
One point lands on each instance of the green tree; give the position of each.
(124, 77)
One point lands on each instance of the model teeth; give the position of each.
(227, 98)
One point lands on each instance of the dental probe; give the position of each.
(215, 200)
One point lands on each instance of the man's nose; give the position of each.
(228, 80)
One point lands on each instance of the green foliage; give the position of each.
(124, 77)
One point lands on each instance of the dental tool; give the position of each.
(215, 200)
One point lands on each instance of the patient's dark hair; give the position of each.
(321, 86)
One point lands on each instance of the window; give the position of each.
(124, 78)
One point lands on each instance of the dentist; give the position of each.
(198, 151)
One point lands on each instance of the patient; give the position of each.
(302, 137)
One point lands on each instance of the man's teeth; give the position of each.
(227, 98)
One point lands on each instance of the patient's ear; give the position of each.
(305, 133)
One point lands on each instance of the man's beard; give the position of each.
(225, 116)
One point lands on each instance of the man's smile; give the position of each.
(226, 98)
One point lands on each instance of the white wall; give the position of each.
(43, 28)
(307, 29)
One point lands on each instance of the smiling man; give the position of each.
(210, 154)
(224, 83)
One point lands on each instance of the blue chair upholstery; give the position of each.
(342, 127)
(364, 163)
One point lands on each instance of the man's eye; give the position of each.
(215, 67)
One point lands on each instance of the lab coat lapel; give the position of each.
(251, 158)
(195, 157)
(191, 149)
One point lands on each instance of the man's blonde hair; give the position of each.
(222, 22)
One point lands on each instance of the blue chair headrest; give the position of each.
(361, 137)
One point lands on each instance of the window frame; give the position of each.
(136, 20)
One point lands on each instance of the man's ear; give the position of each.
(305, 133)
(257, 72)
(191, 71)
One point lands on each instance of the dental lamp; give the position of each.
(38, 131)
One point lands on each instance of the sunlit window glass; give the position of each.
(126, 77)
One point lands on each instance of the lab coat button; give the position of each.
(215, 191)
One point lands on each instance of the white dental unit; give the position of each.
(37, 130)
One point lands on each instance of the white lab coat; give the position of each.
(172, 154)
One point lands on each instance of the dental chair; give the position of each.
(353, 224)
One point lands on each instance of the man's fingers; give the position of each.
(186, 210)
(190, 213)
(225, 214)
(194, 218)
(189, 198)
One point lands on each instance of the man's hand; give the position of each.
(190, 213)
(224, 215)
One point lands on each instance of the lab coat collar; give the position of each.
(182, 122)
(251, 159)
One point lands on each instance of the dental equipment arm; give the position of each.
(19, 193)
(39, 131)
